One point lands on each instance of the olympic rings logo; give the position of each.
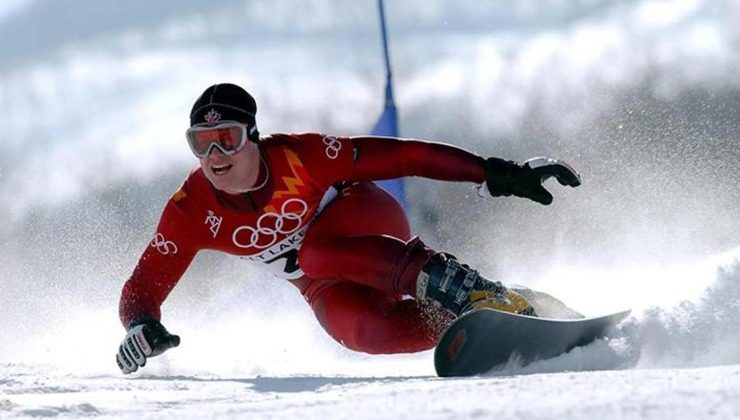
(162, 245)
(269, 225)
(333, 146)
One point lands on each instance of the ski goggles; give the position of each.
(228, 137)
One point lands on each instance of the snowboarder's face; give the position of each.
(233, 174)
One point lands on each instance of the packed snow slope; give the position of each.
(640, 96)
(649, 394)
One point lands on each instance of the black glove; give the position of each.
(145, 338)
(525, 180)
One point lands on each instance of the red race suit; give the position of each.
(319, 222)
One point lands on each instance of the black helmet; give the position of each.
(226, 101)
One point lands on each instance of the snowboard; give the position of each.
(482, 339)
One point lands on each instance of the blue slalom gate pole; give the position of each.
(387, 124)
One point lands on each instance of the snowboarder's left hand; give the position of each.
(144, 339)
(525, 180)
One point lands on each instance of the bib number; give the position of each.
(281, 259)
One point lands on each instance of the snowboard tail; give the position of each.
(485, 338)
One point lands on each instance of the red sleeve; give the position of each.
(368, 158)
(162, 264)
(328, 159)
(387, 157)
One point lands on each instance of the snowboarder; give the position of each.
(304, 207)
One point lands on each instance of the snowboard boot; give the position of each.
(458, 288)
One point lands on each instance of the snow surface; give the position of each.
(37, 391)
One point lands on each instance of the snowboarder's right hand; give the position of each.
(145, 338)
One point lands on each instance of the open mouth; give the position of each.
(221, 169)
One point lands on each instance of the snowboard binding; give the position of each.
(458, 288)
